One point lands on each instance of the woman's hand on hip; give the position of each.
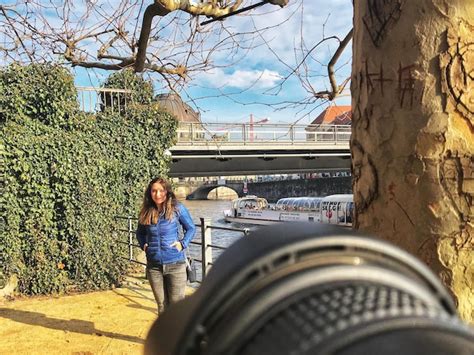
(177, 245)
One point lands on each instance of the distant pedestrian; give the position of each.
(158, 235)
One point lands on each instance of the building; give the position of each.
(188, 119)
(324, 123)
(344, 119)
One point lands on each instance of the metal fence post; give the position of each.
(130, 238)
(206, 250)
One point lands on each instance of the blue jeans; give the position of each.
(168, 283)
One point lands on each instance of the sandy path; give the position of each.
(109, 322)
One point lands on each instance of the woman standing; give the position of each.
(158, 235)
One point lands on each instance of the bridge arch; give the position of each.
(203, 191)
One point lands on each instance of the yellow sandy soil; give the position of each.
(109, 322)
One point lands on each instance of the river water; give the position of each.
(213, 209)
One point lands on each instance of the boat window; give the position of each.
(350, 212)
(296, 204)
(299, 204)
(307, 205)
(290, 204)
(282, 203)
(248, 204)
(262, 203)
(318, 205)
(315, 204)
(279, 204)
(341, 215)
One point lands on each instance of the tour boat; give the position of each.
(333, 209)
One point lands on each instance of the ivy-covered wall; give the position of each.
(66, 175)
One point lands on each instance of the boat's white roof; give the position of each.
(300, 198)
(249, 197)
(339, 198)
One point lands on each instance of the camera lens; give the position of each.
(313, 289)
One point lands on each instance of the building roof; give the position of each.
(173, 104)
(330, 113)
(344, 118)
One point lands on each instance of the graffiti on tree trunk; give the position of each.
(382, 15)
(457, 70)
(403, 82)
(364, 178)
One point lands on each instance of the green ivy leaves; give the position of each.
(67, 174)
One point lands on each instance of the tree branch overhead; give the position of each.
(30, 26)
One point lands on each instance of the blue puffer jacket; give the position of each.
(160, 236)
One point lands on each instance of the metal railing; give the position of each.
(261, 134)
(93, 99)
(204, 241)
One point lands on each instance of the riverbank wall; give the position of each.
(274, 190)
(270, 190)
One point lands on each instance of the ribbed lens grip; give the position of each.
(324, 315)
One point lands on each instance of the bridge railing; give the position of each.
(92, 99)
(246, 133)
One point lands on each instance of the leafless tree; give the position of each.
(321, 81)
(108, 35)
(164, 36)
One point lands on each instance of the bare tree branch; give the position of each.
(151, 11)
(336, 90)
(93, 34)
(16, 33)
(44, 30)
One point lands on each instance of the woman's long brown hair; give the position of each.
(150, 212)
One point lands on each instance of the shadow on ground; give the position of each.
(72, 325)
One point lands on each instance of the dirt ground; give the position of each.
(108, 322)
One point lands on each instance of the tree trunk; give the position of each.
(412, 134)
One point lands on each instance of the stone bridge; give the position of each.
(203, 191)
(274, 190)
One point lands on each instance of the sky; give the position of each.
(334, 17)
(257, 80)
(232, 93)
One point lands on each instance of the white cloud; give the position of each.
(304, 20)
(241, 79)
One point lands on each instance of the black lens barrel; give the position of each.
(314, 289)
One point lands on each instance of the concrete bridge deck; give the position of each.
(210, 149)
(226, 149)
